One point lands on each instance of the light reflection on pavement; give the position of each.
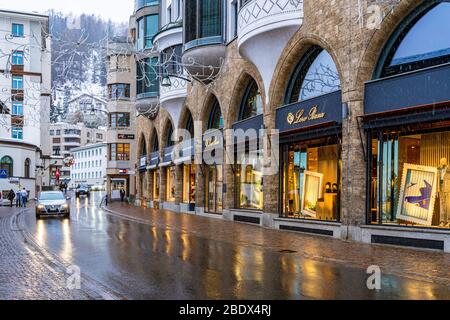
(140, 261)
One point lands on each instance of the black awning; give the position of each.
(313, 133)
(413, 118)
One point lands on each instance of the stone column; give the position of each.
(229, 176)
(353, 191)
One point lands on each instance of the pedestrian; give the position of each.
(24, 195)
(122, 195)
(11, 196)
(1, 198)
(106, 200)
(18, 198)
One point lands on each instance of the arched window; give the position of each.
(169, 141)
(155, 141)
(215, 120)
(6, 163)
(143, 147)
(251, 103)
(27, 166)
(421, 41)
(190, 124)
(315, 75)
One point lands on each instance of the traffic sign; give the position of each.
(3, 174)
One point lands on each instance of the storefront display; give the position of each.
(214, 185)
(410, 179)
(250, 181)
(310, 180)
(156, 184)
(170, 185)
(189, 183)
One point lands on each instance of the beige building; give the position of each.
(121, 134)
(356, 92)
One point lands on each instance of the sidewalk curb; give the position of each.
(91, 287)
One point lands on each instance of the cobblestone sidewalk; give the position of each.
(28, 273)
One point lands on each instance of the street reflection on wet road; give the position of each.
(141, 261)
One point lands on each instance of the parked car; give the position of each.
(51, 203)
(82, 190)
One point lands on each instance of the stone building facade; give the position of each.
(356, 35)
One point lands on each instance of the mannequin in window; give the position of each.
(444, 192)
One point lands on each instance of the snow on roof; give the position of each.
(88, 95)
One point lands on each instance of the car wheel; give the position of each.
(38, 216)
(67, 215)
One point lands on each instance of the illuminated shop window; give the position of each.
(170, 191)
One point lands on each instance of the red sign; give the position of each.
(58, 174)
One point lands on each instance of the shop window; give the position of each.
(171, 179)
(410, 178)
(311, 180)
(251, 103)
(315, 75)
(156, 184)
(214, 185)
(249, 180)
(7, 164)
(189, 183)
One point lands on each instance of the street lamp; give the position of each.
(165, 82)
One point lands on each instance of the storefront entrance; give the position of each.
(214, 186)
(189, 185)
(118, 184)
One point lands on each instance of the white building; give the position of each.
(89, 165)
(25, 82)
(64, 137)
(88, 109)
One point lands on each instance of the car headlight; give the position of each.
(65, 206)
(41, 206)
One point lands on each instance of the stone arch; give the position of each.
(296, 49)
(184, 116)
(242, 83)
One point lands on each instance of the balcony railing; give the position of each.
(267, 14)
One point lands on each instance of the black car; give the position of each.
(82, 190)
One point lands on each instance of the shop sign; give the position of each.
(14, 180)
(143, 162)
(316, 111)
(122, 136)
(301, 117)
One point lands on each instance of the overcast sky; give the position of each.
(116, 10)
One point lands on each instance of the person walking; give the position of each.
(122, 195)
(18, 198)
(11, 196)
(24, 196)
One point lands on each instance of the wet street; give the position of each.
(160, 261)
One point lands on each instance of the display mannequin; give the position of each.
(444, 192)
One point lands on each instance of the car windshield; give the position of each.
(51, 196)
(83, 186)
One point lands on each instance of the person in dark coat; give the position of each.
(122, 195)
(11, 196)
